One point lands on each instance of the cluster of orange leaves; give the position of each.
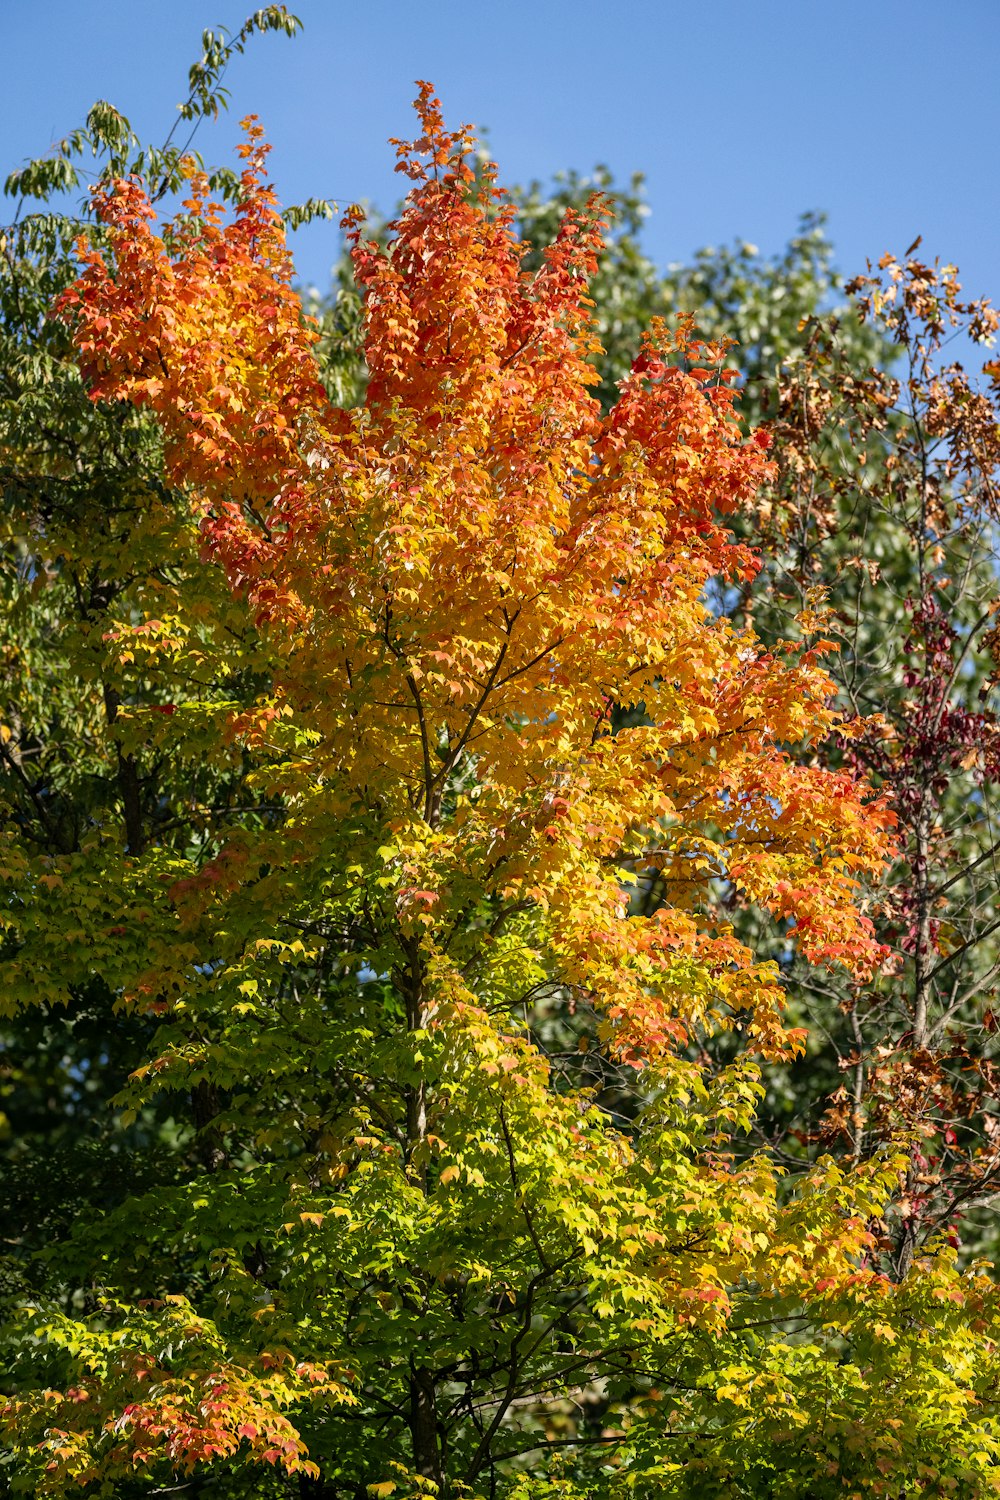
(141, 1409)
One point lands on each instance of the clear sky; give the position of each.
(742, 113)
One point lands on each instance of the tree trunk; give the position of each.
(424, 1425)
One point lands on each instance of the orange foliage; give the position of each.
(475, 569)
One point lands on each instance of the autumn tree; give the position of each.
(892, 473)
(367, 801)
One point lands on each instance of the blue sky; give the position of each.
(886, 114)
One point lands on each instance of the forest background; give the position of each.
(877, 528)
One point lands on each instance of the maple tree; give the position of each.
(394, 657)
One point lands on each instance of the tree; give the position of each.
(68, 464)
(349, 681)
(79, 476)
(896, 472)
